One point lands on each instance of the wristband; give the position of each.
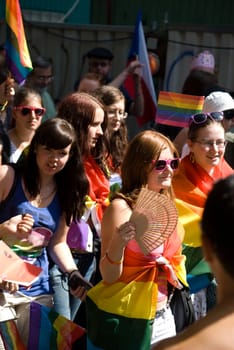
(112, 262)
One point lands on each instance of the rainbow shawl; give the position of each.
(120, 315)
(191, 185)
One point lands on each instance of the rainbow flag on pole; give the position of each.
(175, 109)
(17, 54)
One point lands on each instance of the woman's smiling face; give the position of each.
(209, 146)
(161, 179)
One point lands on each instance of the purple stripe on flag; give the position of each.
(35, 326)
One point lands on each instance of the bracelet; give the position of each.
(3, 106)
(112, 262)
(69, 274)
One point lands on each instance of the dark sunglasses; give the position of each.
(161, 164)
(25, 110)
(201, 118)
(229, 114)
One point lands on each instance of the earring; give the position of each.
(191, 157)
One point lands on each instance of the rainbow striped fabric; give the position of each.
(17, 54)
(175, 109)
(10, 336)
(120, 315)
(49, 330)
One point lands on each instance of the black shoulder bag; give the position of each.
(181, 306)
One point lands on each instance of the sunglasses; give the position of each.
(161, 164)
(201, 118)
(25, 110)
(229, 114)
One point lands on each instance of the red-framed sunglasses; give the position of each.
(25, 110)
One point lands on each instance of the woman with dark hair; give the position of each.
(114, 103)
(27, 113)
(42, 193)
(133, 294)
(116, 133)
(87, 116)
(198, 171)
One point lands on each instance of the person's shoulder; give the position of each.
(119, 203)
(212, 332)
(6, 171)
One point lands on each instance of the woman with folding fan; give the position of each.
(197, 173)
(133, 295)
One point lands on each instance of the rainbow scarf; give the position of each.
(17, 54)
(191, 185)
(99, 187)
(175, 109)
(120, 315)
(10, 336)
(49, 330)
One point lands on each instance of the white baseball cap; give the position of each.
(218, 101)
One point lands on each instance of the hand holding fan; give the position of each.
(155, 218)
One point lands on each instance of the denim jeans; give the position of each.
(65, 303)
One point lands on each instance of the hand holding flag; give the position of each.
(139, 51)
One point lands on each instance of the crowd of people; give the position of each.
(71, 169)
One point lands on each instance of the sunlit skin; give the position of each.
(30, 121)
(88, 85)
(115, 113)
(208, 159)
(95, 128)
(158, 180)
(51, 161)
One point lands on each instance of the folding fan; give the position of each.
(155, 218)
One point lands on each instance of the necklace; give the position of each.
(43, 197)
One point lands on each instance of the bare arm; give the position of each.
(116, 231)
(137, 106)
(61, 255)
(134, 68)
(59, 250)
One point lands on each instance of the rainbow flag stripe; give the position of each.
(120, 315)
(49, 330)
(175, 109)
(10, 336)
(17, 54)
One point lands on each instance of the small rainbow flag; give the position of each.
(10, 336)
(17, 54)
(175, 109)
(49, 330)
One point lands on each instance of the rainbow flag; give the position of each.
(49, 330)
(10, 336)
(17, 54)
(175, 109)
